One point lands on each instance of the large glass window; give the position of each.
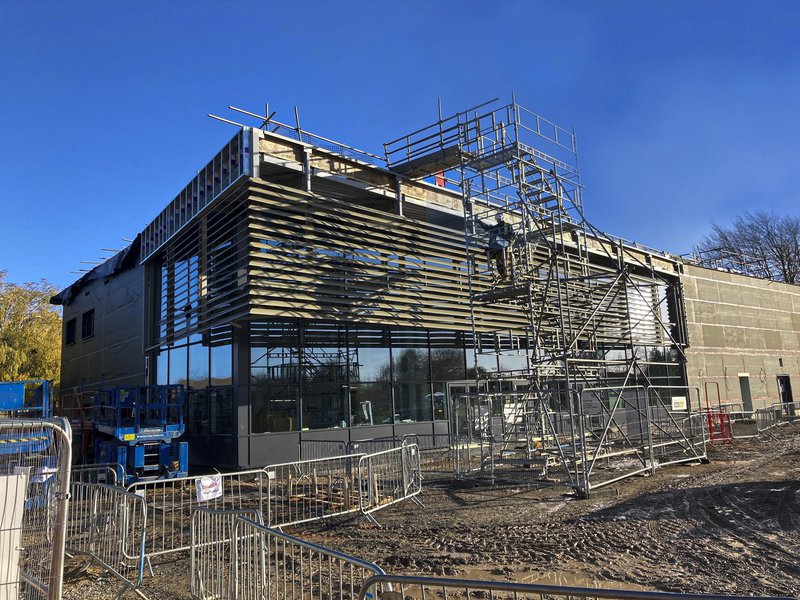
(324, 376)
(411, 361)
(197, 413)
(370, 376)
(448, 363)
(162, 366)
(274, 377)
(221, 371)
(370, 402)
(177, 365)
(198, 366)
(315, 375)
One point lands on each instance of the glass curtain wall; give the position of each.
(204, 366)
(323, 376)
(370, 376)
(412, 376)
(314, 375)
(310, 375)
(274, 376)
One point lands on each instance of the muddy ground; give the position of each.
(728, 527)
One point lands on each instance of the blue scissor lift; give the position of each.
(27, 402)
(32, 399)
(138, 427)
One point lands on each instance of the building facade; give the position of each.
(300, 290)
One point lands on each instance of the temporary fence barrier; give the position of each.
(107, 524)
(271, 564)
(212, 566)
(786, 412)
(719, 426)
(35, 458)
(676, 436)
(310, 490)
(389, 477)
(744, 424)
(110, 473)
(373, 445)
(435, 453)
(170, 503)
(311, 449)
(397, 587)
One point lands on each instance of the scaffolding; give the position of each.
(604, 336)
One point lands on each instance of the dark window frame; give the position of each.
(87, 324)
(71, 332)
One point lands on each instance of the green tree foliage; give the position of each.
(761, 244)
(30, 331)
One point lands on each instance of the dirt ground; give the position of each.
(728, 527)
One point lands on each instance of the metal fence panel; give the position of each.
(786, 412)
(744, 424)
(389, 477)
(170, 503)
(272, 564)
(212, 566)
(675, 436)
(316, 449)
(109, 473)
(396, 587)
(767, 418)
(310, 490)
(435, 453)
(13, 490)
(107, 524)
(41, 452)
(373, 445)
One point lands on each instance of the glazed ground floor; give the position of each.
(257, 389)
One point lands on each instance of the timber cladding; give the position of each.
(317, 258)
(266, 250)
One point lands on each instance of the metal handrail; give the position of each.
(542, 589)
(310, 546)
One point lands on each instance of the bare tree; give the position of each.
(760, 244)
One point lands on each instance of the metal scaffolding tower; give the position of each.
(604, 395)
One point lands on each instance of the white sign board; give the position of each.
(679, 403)
(13, 490)
(209, 487)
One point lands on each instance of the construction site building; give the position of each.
(304, 289)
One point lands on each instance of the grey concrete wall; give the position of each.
(741, 325)
(114, 355)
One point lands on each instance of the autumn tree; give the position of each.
(760, 244)
(30, 331)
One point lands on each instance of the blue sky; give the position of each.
(686, 112)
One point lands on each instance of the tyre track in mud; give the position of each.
(727, 527)
(732, 526)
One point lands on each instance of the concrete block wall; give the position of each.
(742, 330)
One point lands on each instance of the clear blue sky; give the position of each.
(686, 112)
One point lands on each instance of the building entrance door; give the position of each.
(785, 393)
(744, 386)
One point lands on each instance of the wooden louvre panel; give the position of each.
(266, 250)
(318, 258)
(203, 271)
